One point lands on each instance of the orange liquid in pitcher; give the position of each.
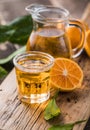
(50, 40)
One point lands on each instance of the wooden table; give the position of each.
(15, 115)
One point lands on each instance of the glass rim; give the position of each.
(35, 9)
(33, 69)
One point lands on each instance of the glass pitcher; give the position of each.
(50, 31)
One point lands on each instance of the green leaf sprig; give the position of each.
(7, 59)
(52, 110)
(17, 31)
(3, 72)
(68, 126)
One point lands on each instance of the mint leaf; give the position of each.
(3, 72)
(51, 110)
(7, 59)
(65, 126)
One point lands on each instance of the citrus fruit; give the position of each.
(66, 74)
(87, 44)
(74, 36)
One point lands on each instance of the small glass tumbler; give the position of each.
(33, 75)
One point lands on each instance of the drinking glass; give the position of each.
(33, 74)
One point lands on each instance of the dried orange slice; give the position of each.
(87, 44)
(66, 74)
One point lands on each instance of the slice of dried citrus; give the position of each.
(66, 74)
(87, 44)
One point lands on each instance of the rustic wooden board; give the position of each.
(15, 115)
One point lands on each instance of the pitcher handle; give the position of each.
(79, 48)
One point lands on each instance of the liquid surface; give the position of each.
(51, 40)
(33, 82)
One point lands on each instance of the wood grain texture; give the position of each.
(15, 115)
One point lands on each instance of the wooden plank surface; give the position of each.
(15, 115)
